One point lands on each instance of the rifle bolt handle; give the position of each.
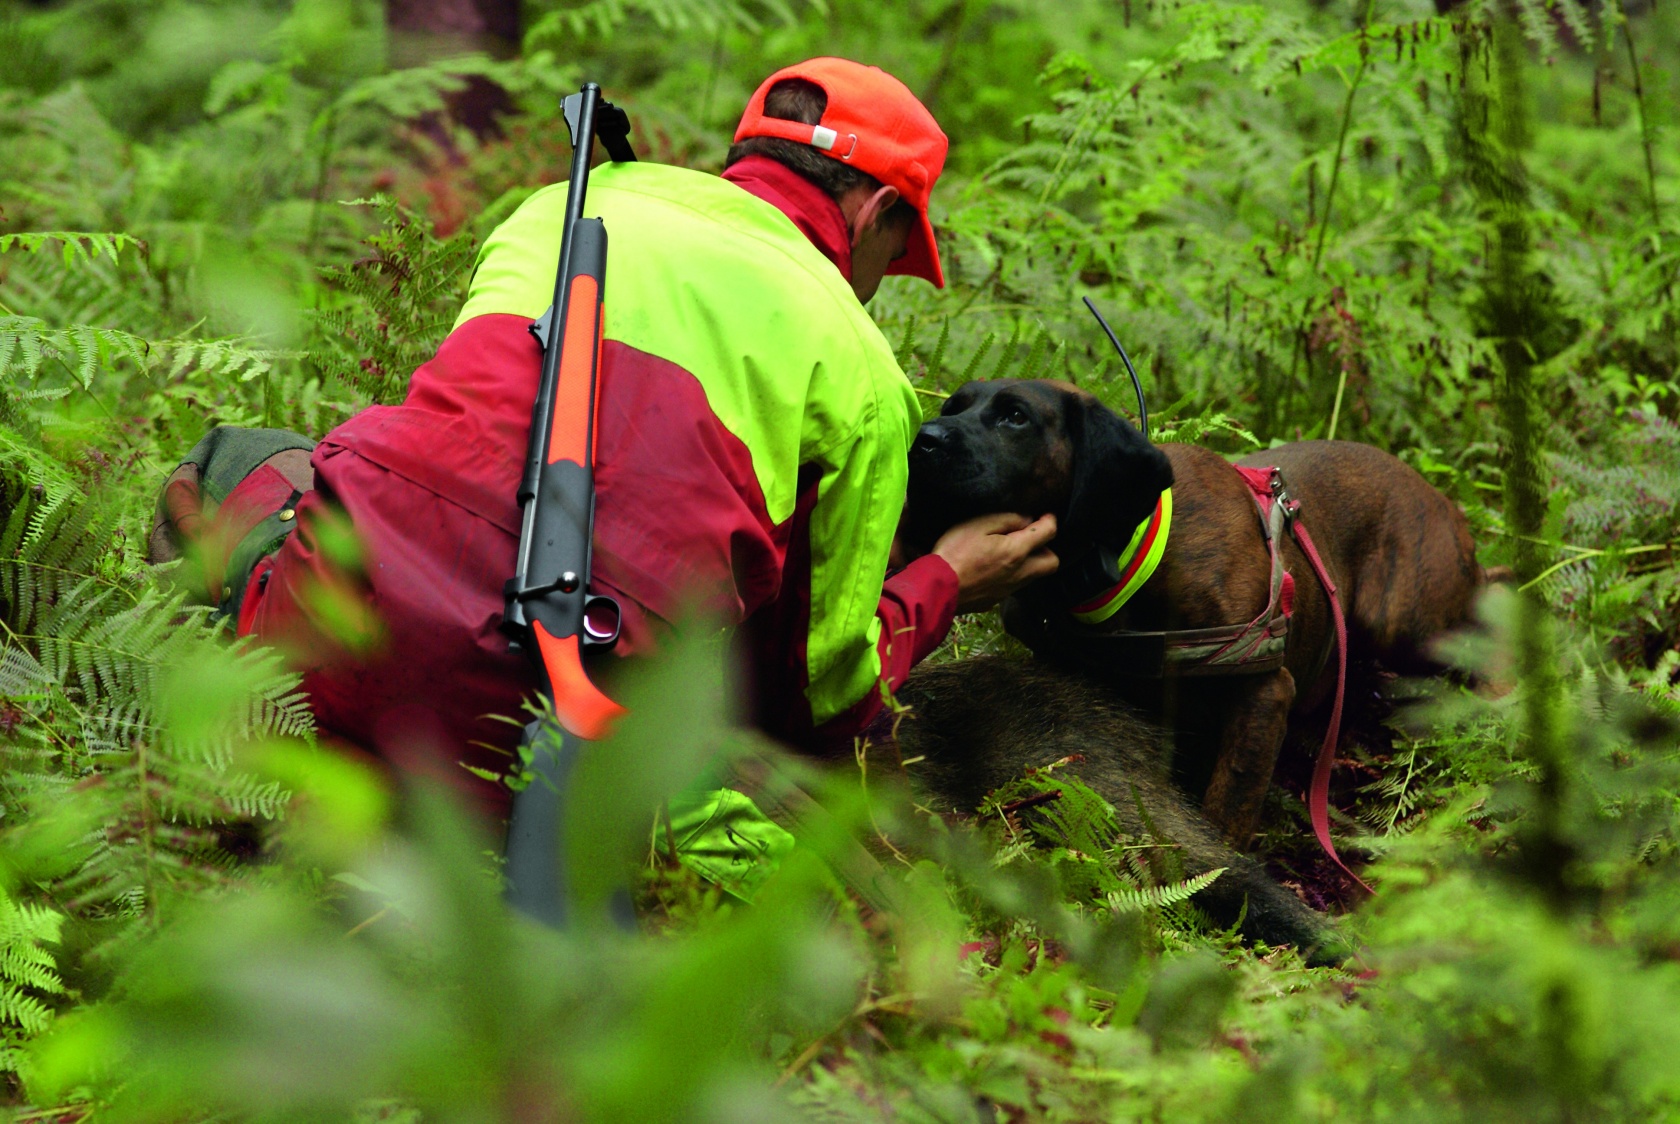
(568, 582)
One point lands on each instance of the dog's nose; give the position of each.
(931, 437)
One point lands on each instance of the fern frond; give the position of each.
(25, 966)
(1007, 355)
(936, 364)
(77, 245)
(907, 347)
(1036, 354)
(596, 19)
(26, 343)
(90, 667)
(1142, 899)
(977, 358)
(402, 299)
(1192, 430)
(223, 358)
(411, 91)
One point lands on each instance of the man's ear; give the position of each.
(872, 210)
(1117, 475)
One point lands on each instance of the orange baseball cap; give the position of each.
(874, 123)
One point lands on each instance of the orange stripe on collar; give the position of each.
(1136, 564)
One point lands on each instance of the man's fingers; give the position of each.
(1039, 531)
(995, 555)
(1007, 524)
(999, 523)
(1040, 564)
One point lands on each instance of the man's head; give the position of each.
(860, 135)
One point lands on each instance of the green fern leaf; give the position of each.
(1142, 899)
(77, 245)
(27, 970)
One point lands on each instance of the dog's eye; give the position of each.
(1013, 415)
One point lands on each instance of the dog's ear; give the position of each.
(1117, 475)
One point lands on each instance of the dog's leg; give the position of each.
(1248, 753)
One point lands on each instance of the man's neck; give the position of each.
(811, 208)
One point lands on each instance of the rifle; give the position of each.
(550, 612)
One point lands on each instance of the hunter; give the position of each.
(752, 449)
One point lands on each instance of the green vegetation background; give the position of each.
(1454, 236)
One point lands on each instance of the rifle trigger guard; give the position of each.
(601, 622)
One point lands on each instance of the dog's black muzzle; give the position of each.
(949, 482)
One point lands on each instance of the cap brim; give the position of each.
(921, 255)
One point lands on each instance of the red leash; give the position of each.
(1318, 797)
(1274, 501)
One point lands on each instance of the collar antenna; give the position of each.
(1137, 384)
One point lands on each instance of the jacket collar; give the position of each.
(811, 208)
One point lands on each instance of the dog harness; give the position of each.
(1246, 649)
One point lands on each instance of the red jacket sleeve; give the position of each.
(915, 610)
(917, 606)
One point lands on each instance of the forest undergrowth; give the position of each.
(1455, 236)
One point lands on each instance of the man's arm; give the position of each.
(971, 568)
(974, 566)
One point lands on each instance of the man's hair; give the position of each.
(795, 99)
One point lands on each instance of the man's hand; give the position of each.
(994, 555)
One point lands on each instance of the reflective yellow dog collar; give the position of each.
(1136, 563)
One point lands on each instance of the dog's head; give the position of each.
(1034, 447)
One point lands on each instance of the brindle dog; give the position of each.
(1399, 551)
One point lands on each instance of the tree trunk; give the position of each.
(423, 31)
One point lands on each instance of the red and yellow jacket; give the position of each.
(752, 454)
